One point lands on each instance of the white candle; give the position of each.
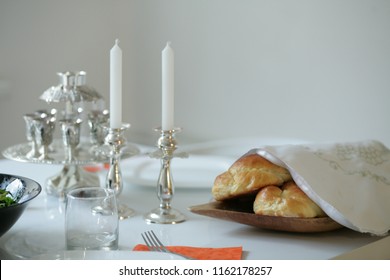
(167, 87)
(116, 86)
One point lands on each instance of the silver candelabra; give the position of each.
(165, 214)
(117, 146)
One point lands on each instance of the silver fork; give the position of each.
(154, 244)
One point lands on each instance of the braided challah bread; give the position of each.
(247, 176)
(268, 186)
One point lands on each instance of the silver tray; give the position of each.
(57, 154)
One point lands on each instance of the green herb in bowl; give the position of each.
(6, 199)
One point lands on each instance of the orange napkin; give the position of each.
(230, 253)
(97, 168)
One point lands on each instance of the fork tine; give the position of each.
(145, 241)
(154, 244)
(157, 242)
(148, 242)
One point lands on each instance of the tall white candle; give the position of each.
(167, 87)
(116, 86)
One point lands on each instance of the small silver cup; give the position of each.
(31, 135)
(71, 137)
(44, 129)
(97, 121)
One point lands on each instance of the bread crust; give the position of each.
(247, 176)
(287, 201)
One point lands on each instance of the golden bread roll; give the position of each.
(246, 176)
(287, 201)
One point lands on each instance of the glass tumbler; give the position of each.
(91, 219)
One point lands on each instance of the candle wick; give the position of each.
(169, 43)
(116, 41)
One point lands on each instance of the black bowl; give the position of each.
(23, 190)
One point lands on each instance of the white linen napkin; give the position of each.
(349, 181)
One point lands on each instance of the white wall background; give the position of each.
(308, 69)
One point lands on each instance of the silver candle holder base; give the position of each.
(71, 176)
(115, 142)
(165, 214)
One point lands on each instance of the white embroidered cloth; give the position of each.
(350, 181)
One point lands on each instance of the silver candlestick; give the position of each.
(115, 141)
(165, 214)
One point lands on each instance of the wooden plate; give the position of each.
(232, 212)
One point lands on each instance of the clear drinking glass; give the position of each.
(91, 219)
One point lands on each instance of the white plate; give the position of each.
(106, 255)
(236, 147)
(196, 171)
